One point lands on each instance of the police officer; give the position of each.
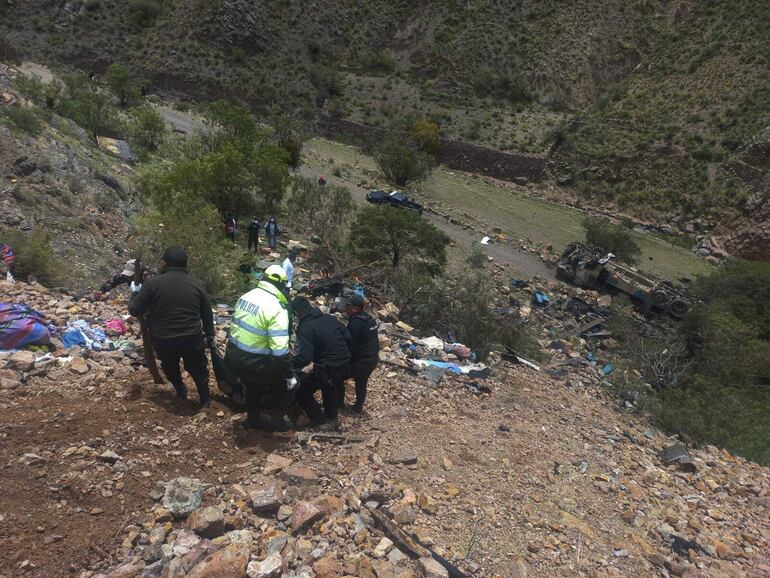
(180, 316)
(258, 347)
(323, 352)
(364, 350)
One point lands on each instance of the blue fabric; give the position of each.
(72, 338)
(540, 297)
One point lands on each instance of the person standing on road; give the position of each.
(271, 232)
(254, 234)
(180, 320)
(364, 350)
(323, 355)
(258, 347)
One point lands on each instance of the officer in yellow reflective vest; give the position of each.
(258, 348)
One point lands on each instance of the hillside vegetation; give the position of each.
(659, 107)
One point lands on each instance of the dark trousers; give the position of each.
(253, 242)
(192, 352)
(360, 373)
(328, 380)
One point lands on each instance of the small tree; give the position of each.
(198, 228)
(34, 256)
(401, 235)
(148, 128)
(322, 210)
(122, 84)
(426, 134)
(402, 163)
(611, 238)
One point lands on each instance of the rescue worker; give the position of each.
(364, 350)
(179, 318)
(322, 353)
(271, 232)
(258, 347)
(253, 230)
(296, 255)
(125, 277)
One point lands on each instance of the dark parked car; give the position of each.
(395, 199)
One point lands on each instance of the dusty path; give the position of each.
(527, 264)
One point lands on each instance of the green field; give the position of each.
(518, 215)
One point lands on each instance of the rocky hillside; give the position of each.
(660, 108)
(521, 473)
(54, 179)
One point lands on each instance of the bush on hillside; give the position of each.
(325, 212)
(122, 84)
(147, 128)
(34, 256)
(712, 411)
(24, 118)
(85, 104)
(198, 229)
(400, 236)
(611, 238)
(403, 163)
(426, 134)
(232, 170)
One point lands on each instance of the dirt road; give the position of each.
(527, 264)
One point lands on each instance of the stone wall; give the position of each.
(452, 154)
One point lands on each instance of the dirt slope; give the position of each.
(540, 477)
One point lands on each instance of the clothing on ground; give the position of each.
(21, 325)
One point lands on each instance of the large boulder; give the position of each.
(183, 496)
(208, 522)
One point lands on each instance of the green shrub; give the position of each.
(147, 127)
(24, 118)
(34, 256)
(122, 84)
(399, 235)
(198, 229)
(611, 238)
(322, 210)
(737, 418)
(402, 163)
(426, 134)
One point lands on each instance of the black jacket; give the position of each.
(323, 340)
(254, 229)
(364, 344)
(177, 303)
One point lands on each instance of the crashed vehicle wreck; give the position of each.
(589, 268)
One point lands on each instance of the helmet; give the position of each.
(275, 273)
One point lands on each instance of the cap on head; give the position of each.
(175, 257)
(356, 300)
(275, 274)
(300, 305)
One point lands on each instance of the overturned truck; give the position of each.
(591, 269)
